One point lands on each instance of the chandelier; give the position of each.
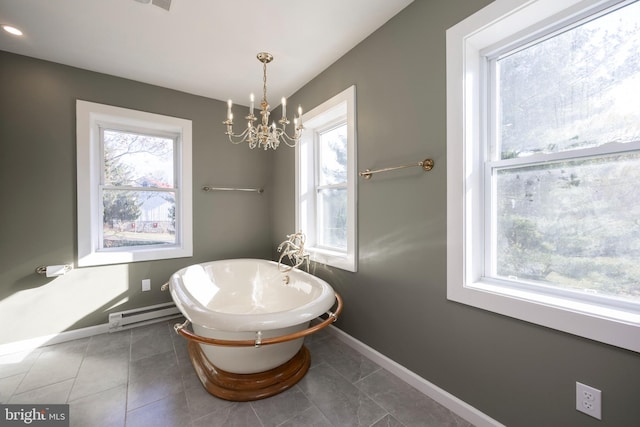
(264, 135)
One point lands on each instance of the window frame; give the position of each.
(90, 118)
(104, 187)
(328, 115)
(503, 24)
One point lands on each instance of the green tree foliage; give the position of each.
(334, 170)
(573, 223)
(118, 205)
(574, 90)
(124, 152)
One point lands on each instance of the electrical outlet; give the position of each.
(589, 400)
(146, 285)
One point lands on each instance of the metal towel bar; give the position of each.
(252, 190)
(426, 165)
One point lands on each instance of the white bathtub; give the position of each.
(234, 299)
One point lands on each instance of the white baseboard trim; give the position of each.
(446, 399)
(33, 343)
(76, 334)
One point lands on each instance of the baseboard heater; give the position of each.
(142, 316)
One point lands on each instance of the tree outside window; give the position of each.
(138, 195)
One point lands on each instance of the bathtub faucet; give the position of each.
(293, 249)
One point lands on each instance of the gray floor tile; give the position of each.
(314, 344)
(180, 347)
(153, 378)
(405, 403)
(312, 417)
(388, 421)
(150, 340)
(238, 414)
(8, 386)
(340, 402)
(114, 342)
(52, 393)
(281, 407)
(172, 411)
(189, 377)
(318, 336)
(55, 364)
(18, 363)
(104, 409)
(348, 362)
(202, 403)
(147, 372)
(100, 372)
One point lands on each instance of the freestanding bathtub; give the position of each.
(249, 320)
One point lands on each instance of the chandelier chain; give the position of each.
(264, 82)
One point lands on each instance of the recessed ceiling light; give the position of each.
(12, 30)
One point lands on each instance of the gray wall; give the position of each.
(518, 373)
(38, 194)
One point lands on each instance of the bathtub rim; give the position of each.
(207, 318)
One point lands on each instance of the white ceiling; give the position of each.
(203, 47)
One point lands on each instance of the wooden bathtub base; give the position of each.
(245, 387)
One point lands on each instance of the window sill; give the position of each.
(123, 257)
(607, 324)
(336, 259)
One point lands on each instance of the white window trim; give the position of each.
(88, 117)
(317, 118)
(504, 20)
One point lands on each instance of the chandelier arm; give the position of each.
(289, 144)
(238, 138)
(294, 139)
(264, 135)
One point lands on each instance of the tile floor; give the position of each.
(143, 377)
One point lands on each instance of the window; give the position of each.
(543, 156)
(325, 182)
(134, 185)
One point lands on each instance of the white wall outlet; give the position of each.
(146, 285)
(589, 400)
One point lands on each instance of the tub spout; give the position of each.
(293, 249)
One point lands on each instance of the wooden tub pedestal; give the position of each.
(246, 387)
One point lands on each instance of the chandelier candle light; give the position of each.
(264, 135)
